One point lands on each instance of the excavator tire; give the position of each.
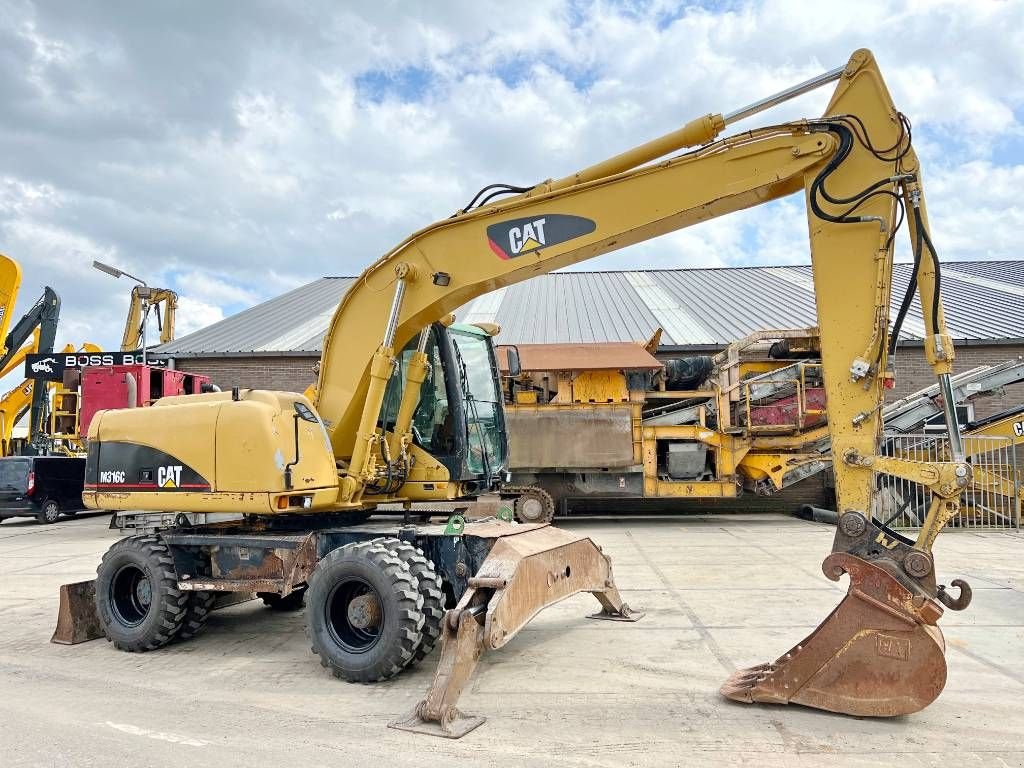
(293, 601)
(197, 611)
(429, 585)
(533, 504)
(138, 601)
(364, 612)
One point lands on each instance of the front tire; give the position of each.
(138, 601)
(364, 612)
(49, 512)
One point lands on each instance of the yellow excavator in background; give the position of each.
(163, 301)
(35, 332)
(14, 404)
(408, 408)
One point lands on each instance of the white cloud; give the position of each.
(194, 314)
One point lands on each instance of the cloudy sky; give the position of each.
(233, 150)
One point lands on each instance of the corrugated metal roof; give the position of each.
(984, 301)
(294, 322)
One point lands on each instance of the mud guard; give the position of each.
(524, 573)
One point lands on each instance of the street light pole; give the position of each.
(116, 272)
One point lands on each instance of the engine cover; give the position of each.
(265, 453)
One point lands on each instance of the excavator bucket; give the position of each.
(526, 570)
(878, 654)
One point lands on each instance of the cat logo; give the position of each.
(169, 477)
(1018, 428)
(518, 237)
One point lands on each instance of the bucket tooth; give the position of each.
(525, 572)
(76, 617)
(878, 654)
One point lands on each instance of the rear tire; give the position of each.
(293, 601)
(49, 512)
(364, 612)
(198, 607)
(138, 601)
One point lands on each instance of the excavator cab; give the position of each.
(460, 418)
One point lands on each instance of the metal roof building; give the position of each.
(697, 308)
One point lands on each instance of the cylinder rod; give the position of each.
(396, 308)
(695, 133)
(956, 443)
(790, 93)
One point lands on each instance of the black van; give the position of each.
(43, 487)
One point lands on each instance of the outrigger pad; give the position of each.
(625, 613)
(454, 727)
(77, 621)
(878, 654)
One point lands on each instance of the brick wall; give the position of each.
(288, 374)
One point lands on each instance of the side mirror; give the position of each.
(514, 366)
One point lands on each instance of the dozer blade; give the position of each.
(878, 654)
(77, 621)
(528, 569)
(76, 618)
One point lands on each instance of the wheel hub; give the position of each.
(144, 593)
(131, 595)
(532, 509)
(364, 612)
(355, 615)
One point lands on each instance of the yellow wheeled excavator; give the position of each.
(408, 408)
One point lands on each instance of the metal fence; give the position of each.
(993, 501)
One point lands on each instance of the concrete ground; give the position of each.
(720, 593)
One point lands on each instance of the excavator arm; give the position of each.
(40, 325)
(10, 282)
(144, 299)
